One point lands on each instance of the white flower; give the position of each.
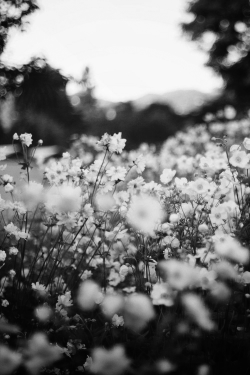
(15, 137)
(2, 255)
(5, 303)
(89, 295)
(200, 186)
(26, 138)
(161, 295)
(239, 159)
(113, 143)
(139, 164)
(13, 250)
(8, 188)
(39, 287)
(144, 213)
(116, 173)
(64, 198)
(109, 362)
(246, 143)
(117, 320)
(138, 311)
(197, 311)
(167, 175)
(218, 215)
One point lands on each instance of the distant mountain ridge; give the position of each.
(182, 101)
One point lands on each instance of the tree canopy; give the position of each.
(222, 28)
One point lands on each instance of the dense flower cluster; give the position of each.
(116, 252)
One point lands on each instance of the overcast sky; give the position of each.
(133, 47)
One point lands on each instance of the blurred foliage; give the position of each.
(153, 124)
(222, 28)
(13, 14)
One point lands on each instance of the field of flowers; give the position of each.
(128, 262)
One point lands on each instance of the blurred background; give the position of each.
(146, 68)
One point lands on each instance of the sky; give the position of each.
(132, 47)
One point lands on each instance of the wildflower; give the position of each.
(5, 303)
(8, 188)
(113, 143)
(109, 362)
(15, 137)
(65, 198)
(40, 288)
(200, 186)
(179, 275)
(2, 255)
(218, 215)
(197, 311)
(161, 295)
(116, 173)
(167, 175)
(43, 313)
(9, 360)
(206, 163)
(88, 363)
(138, 311)
(89, 295)
(65, 300)
(135, 185)
(112, 304)
(13, 250)
(7, 178)
(232, 249)
(117, 320)
(239, 159)
(26, 138)
(40, 353)
(139, 164)
(12, 274)
(174, 218)
(104, 202)
(86, 275)
(144, 213)
(246, 143)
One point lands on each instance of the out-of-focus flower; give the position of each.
(246, 143)
(231, 249)
(138, 311)
(117, 320)
(112, 304)
(43, 313)
(13, 250)
(144, 213)
(89, 294)
(109, 362)
(5, 303)
(104, 202)
(26, 138)
(167, 175)
(40, 353)
(9, 360)
(15, 137)
(197, 311)
(179, 275)
(64, 198)
(2, 255)
(161, 295)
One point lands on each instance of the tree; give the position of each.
(222, 27)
